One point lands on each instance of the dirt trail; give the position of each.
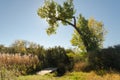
(46, 71)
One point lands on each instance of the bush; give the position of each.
(76, 61)
(108, 58)
(56, 57)
(61, 69)
(80, 66)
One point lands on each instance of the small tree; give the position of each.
(85, 30)
(19, 46)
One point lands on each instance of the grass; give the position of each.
(73, 76)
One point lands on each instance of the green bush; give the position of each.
(56, 57)
(77, 61)
(108, 58)
(61, 69)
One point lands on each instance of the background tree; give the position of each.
(55, 13)
(2, 48)
(19, 46)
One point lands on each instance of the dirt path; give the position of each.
(46, 71)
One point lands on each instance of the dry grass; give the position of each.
(23, 64)
(79, 66)
(11, 59)
(108, 76)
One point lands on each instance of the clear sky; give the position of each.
(19, 20)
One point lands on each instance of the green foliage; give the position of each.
(92, 34)
(66, 11)
(23, 47)
(2, 48)
(61, 69)
(55, 57)
(19, 46)
(48, 11)
(53, 12)
(76, 57)
(21, 56)
(77, 61)
(106, 58)
(88, 34)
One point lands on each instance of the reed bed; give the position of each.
(24, 64)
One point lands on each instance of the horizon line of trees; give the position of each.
(66, 59)
(27, 47)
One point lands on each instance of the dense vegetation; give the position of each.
(28, 58)
(108, 58)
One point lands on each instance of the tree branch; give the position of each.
(73, 25)
(74, 21)
(65, 21)
(76, 28)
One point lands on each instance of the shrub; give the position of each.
(61, 69)
(108, 58)
(76, 61)
(56, 57)
(80, 66)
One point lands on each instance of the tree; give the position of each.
(92, 33)
(19, 46)
(2, 47)
(55, 14)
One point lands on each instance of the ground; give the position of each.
(73, 76)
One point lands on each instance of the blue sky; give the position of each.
(19, 20)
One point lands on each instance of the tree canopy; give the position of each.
(88, 34)
(92, 32)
